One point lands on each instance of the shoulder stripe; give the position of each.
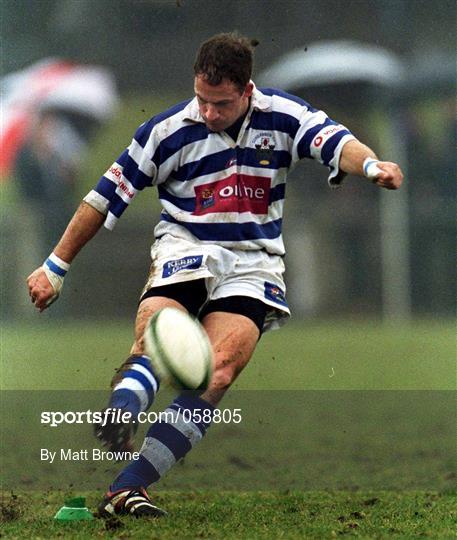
(141, 157)
(276, 92)
(276, 121)
(143, 133)
(182, 137)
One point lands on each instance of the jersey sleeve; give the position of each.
(321, 138)
(134, 170)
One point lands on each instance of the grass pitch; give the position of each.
(235, 515)
(348, 429)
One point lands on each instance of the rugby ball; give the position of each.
(179, 349)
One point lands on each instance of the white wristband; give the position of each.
(55, 269)
(370, 168)
(57, 265)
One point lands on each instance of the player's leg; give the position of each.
(136, 383)
(234, 326)
(131, 390)
(233, 338)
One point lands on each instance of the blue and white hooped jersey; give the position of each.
(212, 188)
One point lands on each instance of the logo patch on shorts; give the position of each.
(275, 294)
(186, 263)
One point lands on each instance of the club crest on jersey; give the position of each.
(264, 146)
(186, 263)
(274, 293)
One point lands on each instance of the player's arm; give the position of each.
(45, 282)
(359, 160)
(102, 206)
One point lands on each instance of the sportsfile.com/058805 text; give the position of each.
(110, 415)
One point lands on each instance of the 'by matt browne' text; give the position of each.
(82, 454)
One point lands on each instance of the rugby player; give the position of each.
(220, 162)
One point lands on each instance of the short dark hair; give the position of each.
(226, 56)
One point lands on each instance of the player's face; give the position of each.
(223, 104)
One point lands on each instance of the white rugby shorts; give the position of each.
(226, 272)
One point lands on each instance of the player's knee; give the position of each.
(221, 380)
(223, 376)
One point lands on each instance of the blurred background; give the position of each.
(354, 252)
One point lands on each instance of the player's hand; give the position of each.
(389, 175)
(41, 291)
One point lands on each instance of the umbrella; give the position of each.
(51, 84)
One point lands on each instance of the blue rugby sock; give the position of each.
(136, 390)
(167, 442)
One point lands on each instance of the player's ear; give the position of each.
(249, 89)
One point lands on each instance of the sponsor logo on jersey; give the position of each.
(186, 263)
(122, 186)
(115, 171)
(274, 293)
(236, 193)
(326, 134)
(264, 146)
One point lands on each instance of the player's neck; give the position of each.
(234, 130)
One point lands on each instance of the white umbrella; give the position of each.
(332, 62)
(51, 84)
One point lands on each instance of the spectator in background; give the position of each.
(47, 165)
(49, 112)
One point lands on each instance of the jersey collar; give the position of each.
(259, 102)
